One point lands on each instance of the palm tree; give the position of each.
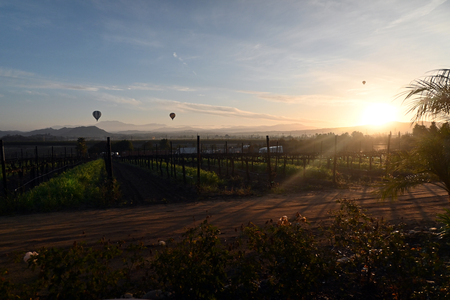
(429, 161)
(429, 97)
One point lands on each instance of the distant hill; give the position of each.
(86, 132)
(90, 132)
(116, 126)
(93, 132)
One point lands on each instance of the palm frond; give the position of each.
(429, 97)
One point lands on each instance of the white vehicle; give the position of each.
(273, 149)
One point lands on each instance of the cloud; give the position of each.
(145, 87)
(417, 13)
(74, 87)
(12, 73)
(224, 111)
(136, 41)
(312, 100)
(29, 80)
(150, 87)
(179, 58)
(117, 99)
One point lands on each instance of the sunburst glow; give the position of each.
(378, 114)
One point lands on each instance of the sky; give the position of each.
(215, 63)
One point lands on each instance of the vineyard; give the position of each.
(209, 168)
(213, 168)
(23, 171)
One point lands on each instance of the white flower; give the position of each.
(28, 255)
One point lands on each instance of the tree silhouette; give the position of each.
(429, 160)
(429, 97)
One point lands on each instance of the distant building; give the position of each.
(273, 149)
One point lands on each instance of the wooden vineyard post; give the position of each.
(242, 157)
(226, 155)
(2, 157)
(232, 166)
(198, 162)
(304, 167)
(335, 158)
(247, 172)
(184, 170)
(172, 166)
(36, 157)
(387, 154)
(109, 169)
(269, 170)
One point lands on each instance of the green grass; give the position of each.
(85, 185)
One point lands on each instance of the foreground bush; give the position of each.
(354, 257)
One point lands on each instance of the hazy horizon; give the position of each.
(322, 64)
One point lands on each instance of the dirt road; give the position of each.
(161, 221)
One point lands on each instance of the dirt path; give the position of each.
(161, 221)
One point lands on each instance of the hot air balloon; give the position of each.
(364, 82)
(172, 115)
(97, 115)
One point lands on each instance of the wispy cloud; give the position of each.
(117, 99)
(13, 73)
(29, 80)
(312, 100)
(136, 41)
(179, 58)
(417, 13)
(224, 111)
(145, 87)
(152, 87)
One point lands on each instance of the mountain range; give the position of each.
(119, 130)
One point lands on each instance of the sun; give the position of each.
(378, 114)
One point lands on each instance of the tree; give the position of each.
(429, 97)
(123, 145)
(81, 147)
(428, 162)
(164, 144)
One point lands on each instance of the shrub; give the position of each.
(195, 267)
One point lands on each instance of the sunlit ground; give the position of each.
(378, 114)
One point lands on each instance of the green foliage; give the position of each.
(428, 162)
(77, 273)
(382, 260)
(85, 185)
(289, 254)
(195, 267)
(429, 97)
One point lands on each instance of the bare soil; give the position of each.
(153, 222)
